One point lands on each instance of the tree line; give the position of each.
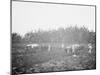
(68, 35)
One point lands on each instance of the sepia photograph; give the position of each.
(52, 37)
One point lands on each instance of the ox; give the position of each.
(72, 49)
(32, 45)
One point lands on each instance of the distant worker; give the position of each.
(90, 47)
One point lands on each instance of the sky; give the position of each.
(27, 16)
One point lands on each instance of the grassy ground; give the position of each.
(38, 60)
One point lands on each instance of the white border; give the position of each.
(5, 37)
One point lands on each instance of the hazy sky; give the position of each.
(27, 16)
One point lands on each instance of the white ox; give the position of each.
(72, 48)
(32, 45)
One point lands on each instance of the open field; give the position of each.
(39, 59)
